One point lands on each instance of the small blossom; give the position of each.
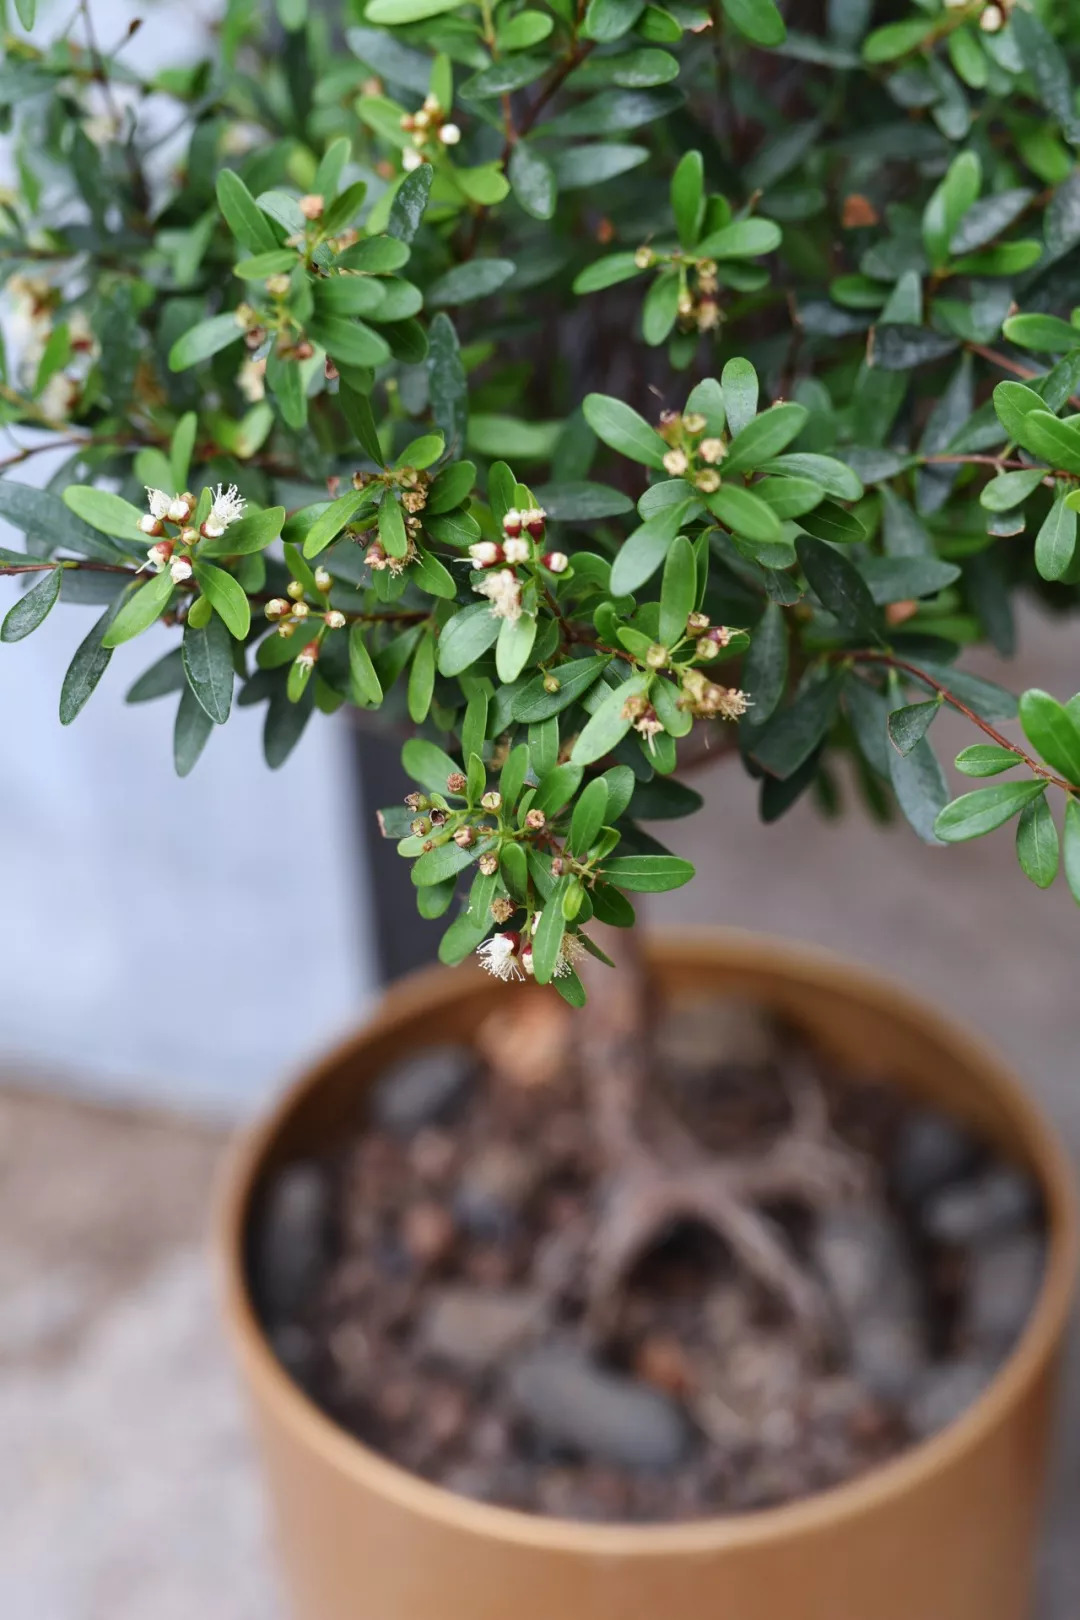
(992, 20)
(685, 305)
(410, 159)
(644, 258)
(439, 818)
(517, 551)
(465, 838)
(649, 724)
(707, 480)
(150, 525)
(501, 909)
(485, 553)
(277, 607)
(334, 620)
(696, 623)
(278, 285)
(712, 450)
(535, 820)
(323, 579)
(503, 591)
(456, 782)
(158, 556)
(449, 134)
(694, 422)
(312, 206)
(227, 506)
(656, 656)
(708, 315)
(416, 801)
(308, 656)
(706, 648)
(489, 865)
(300, 610)
(533, 519)
(180, 508)
(676, 463)
(294, 589)
(499, 956)
(159, 503)
(492, 799)
(251, 380)
(180, 568)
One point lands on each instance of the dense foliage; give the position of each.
(775, 320)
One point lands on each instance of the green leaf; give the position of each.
(191, 732)
(349, 342)
(742, 239)
(739, 382)
(428, 574)
(534, 703)
(909, 725)
(244, 218)
(608, 272)
(648, 874)
(608, 20)
(898, 346)
(974, 814)
(607, 725)
(27, 11)
(513, 646)
(1047, 333)
(1037, 848)
(105, 511)
(624, 430)
(165, 675)
(588, 817)
(1009, 490)
(421, 680)
(557, 788)
(745, 513)
(896, 39)
(920, 787)
(766, 436)
(1048, 67)
(838, 585)
(548, 937)
(466, 638)
(899, 579)
(793, 734)
(1055, 543)
(436, 865)
(660, 309)
(375, 255)
(832, 523)
(1057, 442)
(1071, 850)
(208, 665)
(146, 603)
(33, 608)
(948, 204)
(89, 664)
(329, 524)
(203, 340)
(688, 197)
(226, 596)
(252, 533)
(578, 499)
(476, 278)
(410, 201)
(985, 759)
(364, 684)
(678, 591)
(1049, 726)
(395, 13)
(766, 666)
(757, 20)
(644, 550)
(532, 180)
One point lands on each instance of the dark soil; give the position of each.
(421, 1282)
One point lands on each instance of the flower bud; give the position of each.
(534, 520)
(410, 159)
(556, 562)
(286, 628)
(308, 656)
(707, 480)
(456, 782)
(304, 350)
(694, 422)
(180, 509)
(552, 683)
(535, 820)
(334, 620)
(449, 134)
(465, 838)
(188, 537)
(696, 623)
(656, 657)
(277, 607)
(644, 258)
(489, 865)
(558, 866)
(512, 523)
(420, 826)
(300, 610)
(158, 556)
(278, 285)
(492, 800)
(485, 553)
(294, 589)
(706, 648)
(312, 206)
(151, 525)
(676, 463)
(180, 568)
(323, 579)
(712, 450)
(517, 551)
(417, 801)
(992, 19)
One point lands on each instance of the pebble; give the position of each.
(474, 1330)
(494, 1187)
(931, 1151)
(291, 1239)
(943, 1393)
(661, 1360)
(1003, 1284)
(998, 1201)
(427, 1232)
(864, 1259)
(573, 1404)
(423, 1089)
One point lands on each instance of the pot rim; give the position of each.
(890, 1481)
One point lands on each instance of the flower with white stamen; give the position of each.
(499, 956)
(503, 590)
(517, 551)
(159, 504)
(228, 505)
(180, 569)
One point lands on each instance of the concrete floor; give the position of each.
(127, 1488)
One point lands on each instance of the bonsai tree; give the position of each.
(773, 316)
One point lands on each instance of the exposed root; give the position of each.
(649, 1190)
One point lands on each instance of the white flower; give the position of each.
(228, 505)
(571, 951)
(503, 591)
(675, 462)
(180, 569)
(517, 551)
(159, 503)
(499, 956)
(179, 509)
(410, 158)
(712, 450)
(149, 524)
(484, 553)
(157, 556)
(449, 134)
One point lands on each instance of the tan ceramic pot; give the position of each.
(946, 1532)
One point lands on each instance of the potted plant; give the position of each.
(775, 318)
